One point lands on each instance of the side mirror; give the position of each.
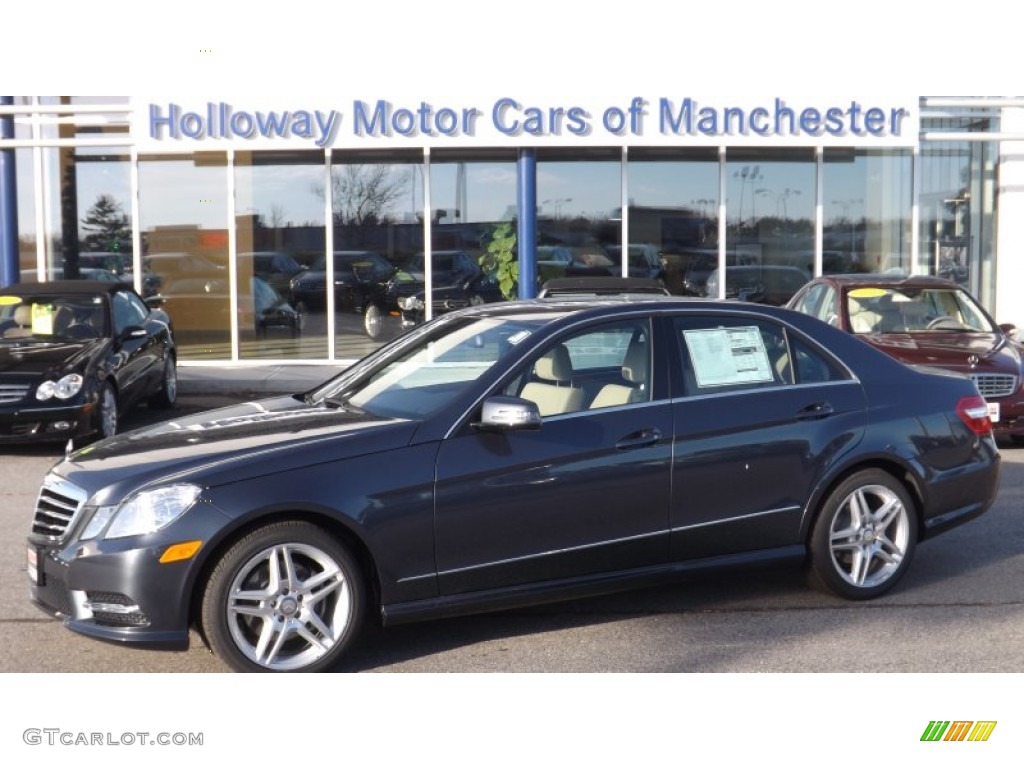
(1010, 330)
(508, 414)
(155, 301)
(132, 332)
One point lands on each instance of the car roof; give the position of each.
(888, 280)
(65, 286)
(600, 285)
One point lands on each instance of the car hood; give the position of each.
(947, 350)
(230, 444)
(35, 356)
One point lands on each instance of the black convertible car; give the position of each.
(75, 354)
(509, 454)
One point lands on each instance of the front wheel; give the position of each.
(864, 536)
(107, 412)
(373, 321)
(285, 598)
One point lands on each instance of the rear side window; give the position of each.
(725, 354)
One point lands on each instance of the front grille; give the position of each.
(995, 384)
(58, 503)
(13, 393)
(447, 305)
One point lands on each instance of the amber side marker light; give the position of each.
(182, 551)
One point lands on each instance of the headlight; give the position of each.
(146, 512)
(410, 302)
(67, 387)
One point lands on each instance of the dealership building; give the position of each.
(228, 208)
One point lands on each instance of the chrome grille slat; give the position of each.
(13, 393)
(995, 384)
(58, 504)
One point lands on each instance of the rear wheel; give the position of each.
(168, 394)
(286, 598)
(864, 537)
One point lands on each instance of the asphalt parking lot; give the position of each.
(957, 610)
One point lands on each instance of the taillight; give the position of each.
(974, 413)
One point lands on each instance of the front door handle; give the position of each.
(641, 439)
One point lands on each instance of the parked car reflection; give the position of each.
(360, 287)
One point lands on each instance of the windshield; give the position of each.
(75, 317)
(909, 310)
(427, 371)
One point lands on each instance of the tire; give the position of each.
(302, 623)
(373, 321)
(1017, 440)
(106, 412)
(168, 394)
(864, 536)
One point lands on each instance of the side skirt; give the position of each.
(582, 586)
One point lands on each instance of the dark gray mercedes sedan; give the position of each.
(511, 454)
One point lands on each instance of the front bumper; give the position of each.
(123, 596)
(41, 423)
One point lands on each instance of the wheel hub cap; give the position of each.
(288, 606)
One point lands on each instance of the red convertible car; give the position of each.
(928, 321)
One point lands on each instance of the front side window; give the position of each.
(428, 372)
(597, 368)
(125, 312)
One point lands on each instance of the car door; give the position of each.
(588, 492)
(139, 354)
(762, 413)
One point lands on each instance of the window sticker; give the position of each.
(42, 320)
(723, 356)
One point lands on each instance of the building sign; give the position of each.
(185, 124)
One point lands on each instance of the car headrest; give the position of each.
(555, 365)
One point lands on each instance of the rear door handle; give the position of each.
(641, 439)
(815, 411)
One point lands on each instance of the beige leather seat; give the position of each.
(22, 323)
(558, 396)
(634, 370)
(862, 319)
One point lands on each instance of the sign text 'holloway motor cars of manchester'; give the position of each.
(510, 454)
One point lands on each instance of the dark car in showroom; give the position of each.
(74, 355)
(928, 321)
(511, 454)
(458, 282)
(360, 287)
(762, 283)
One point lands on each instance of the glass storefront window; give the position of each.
(673, 217)
(183, 215)
(472, 194)
(579, 200)
(867, 209)
(770, 225)
(279, 229)
(957, 203)
(377, 210)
